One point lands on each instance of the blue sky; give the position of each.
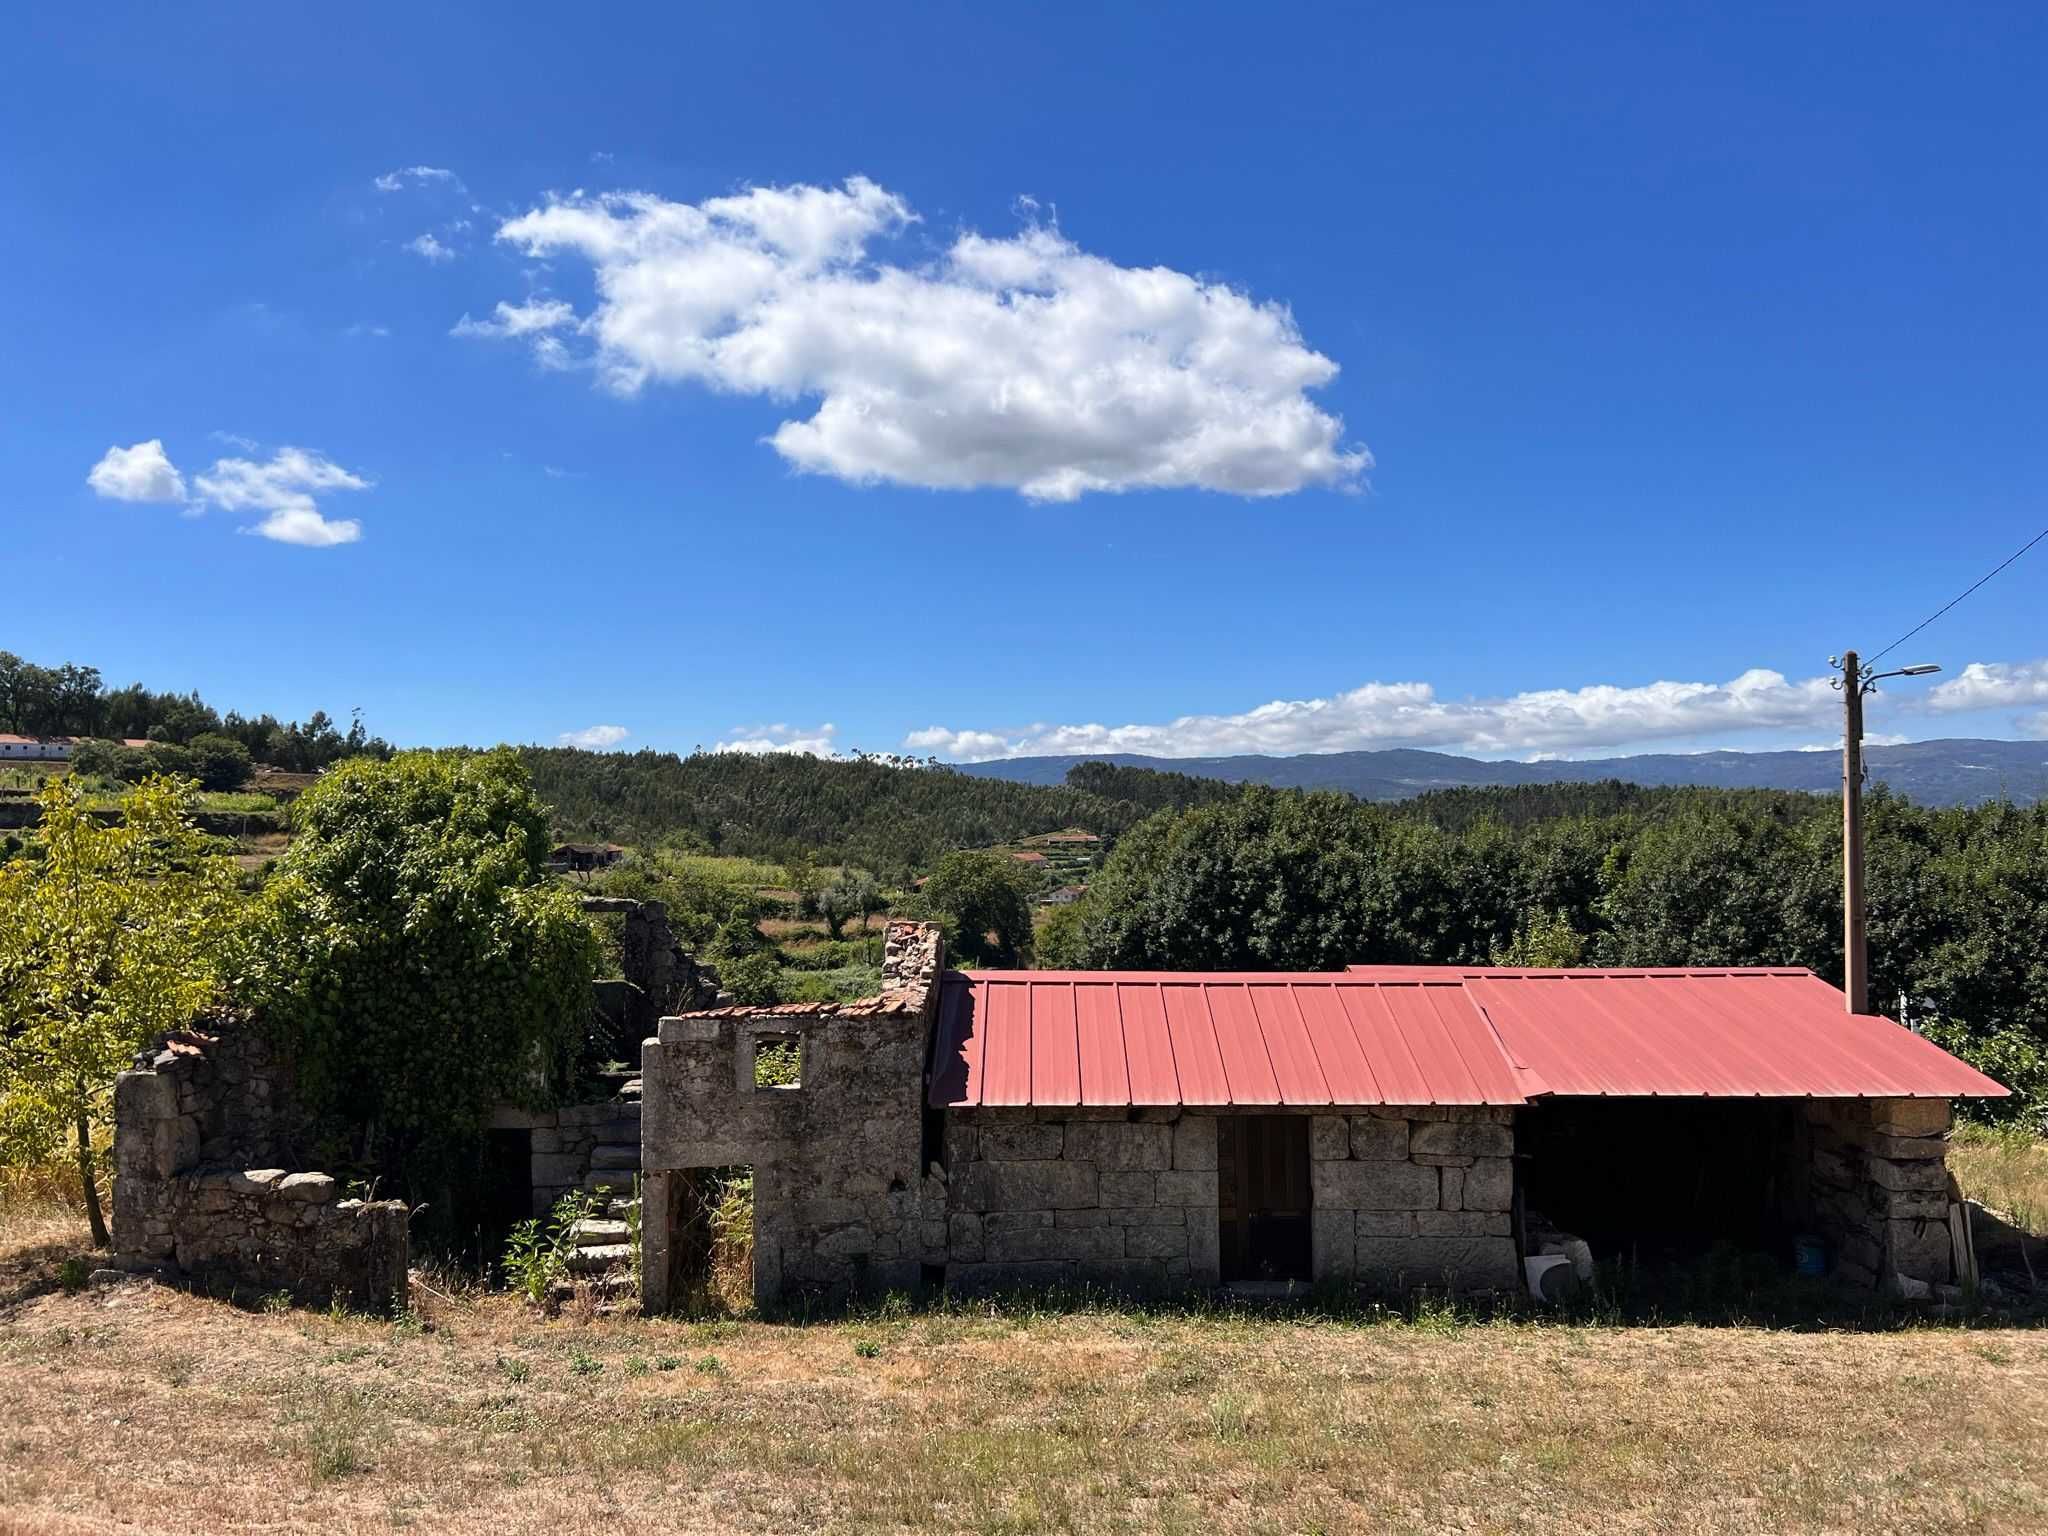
(1514, 379)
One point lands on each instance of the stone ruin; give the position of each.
(204, 1131)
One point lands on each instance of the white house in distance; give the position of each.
(50, 749)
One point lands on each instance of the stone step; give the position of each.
(630, 1089)
(619, 1210)
(617, 1154)
(599, 1258)
(595, 1231)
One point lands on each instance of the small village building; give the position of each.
(1384, 1128)
(52, 749)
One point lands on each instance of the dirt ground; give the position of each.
(135, 1407)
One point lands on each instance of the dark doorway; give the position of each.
(1667, 1178)
(1262, 1196)
(711, 1240)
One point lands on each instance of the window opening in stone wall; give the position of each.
(711, 1243)
(779, 1061)
(1262, 1183)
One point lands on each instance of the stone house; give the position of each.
(1382, 1127)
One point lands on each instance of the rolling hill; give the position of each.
(1946, 772)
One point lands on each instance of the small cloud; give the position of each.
(235, 440)
(602, 157)
(532, 318)
(433, 250)
(282, 488)
(758, 739)
(594, 738)
(416, 175)
(362, 329)
(141, 472)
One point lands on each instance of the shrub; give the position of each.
(413, 957)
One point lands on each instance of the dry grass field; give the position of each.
(137, 1407)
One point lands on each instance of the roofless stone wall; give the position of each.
(204, 1131)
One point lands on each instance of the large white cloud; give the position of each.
(1549, 721)
(1992, 685)
(143, 472)
(1020, 362)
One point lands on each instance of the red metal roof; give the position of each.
(1116, 1038)
(1419, 1035)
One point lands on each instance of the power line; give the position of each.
(1973, 586)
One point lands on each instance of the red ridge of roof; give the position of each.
(1420, 1035)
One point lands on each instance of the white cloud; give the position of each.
(143, 472)
(1991, 685)
(363, 328)
(528, 319)
(1022, 362)
(418, 175)
(821, 742)
(282, 488)
(594, 738)
(433, 250)
(1553, 720)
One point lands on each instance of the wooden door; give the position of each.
(1262, 1190)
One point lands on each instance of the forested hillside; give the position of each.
(893, 820)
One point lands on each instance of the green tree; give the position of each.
(979, 899)
(416, 960)
(118, 933)
(853, 894)
(218, 762)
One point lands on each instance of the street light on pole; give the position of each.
(1855, 683)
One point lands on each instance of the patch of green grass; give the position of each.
(514, 1371)
(867, 1349)
(584, 1363)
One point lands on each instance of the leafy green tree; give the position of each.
(1546, 940)
(416, 960)
(117, 933)
(979, 899)
(853, 894)
(218, 762)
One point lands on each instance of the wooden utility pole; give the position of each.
(1855, 951)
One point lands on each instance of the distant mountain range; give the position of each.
(1949, 772)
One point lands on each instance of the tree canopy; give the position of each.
(416, 960)
(118, 932)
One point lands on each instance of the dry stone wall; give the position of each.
(1060, 1197)
(1414, 1196)
(200, 1124)
(1880, 1188)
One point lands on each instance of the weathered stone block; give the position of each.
(1450, 1188)
(1188, 1187)
(1024, 1186)
(1907, 1148)
(1373, 1186)
(255, 1181)
(1462, 1263)
(307, 1188)
(1461, 1223)
(962, 1142)
(1016, 1141)
(1085, 1216)
(1205, 1245)
(1329, 1138)
(1909, 1117)
(979, 1279)
(1113, 1145)
(1385, 1223)
(1148, 1216)
(1921, 1175)
(1489, 1185)
(846, 1242)
(1375, 1138)
(1126, 1187)
(1922, 1249)
(1452, 1138)
(1194, 1143)
(1440, 1160)
(1332, 1244)
(1156, 1242)
(963, 1237)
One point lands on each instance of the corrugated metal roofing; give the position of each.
(1418, 1035)
(1120, 1038)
